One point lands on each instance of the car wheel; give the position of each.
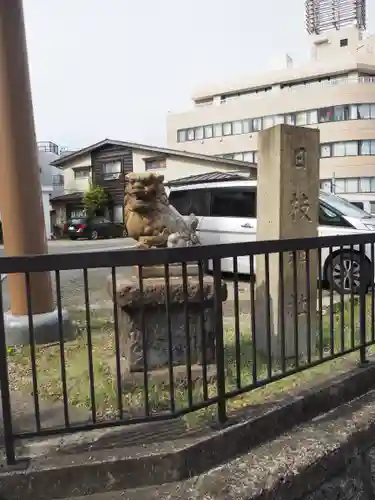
(73, 238)
(344, 271)
(124, 233)
(94, 235)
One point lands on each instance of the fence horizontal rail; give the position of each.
(138, 257)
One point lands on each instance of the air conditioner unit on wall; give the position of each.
(111, 177)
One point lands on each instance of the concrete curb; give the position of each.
(71, 475)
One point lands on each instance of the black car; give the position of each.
(93, 228)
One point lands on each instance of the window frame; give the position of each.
(80, 170)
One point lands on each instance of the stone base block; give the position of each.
(133, 380)
(189, 322)
(45, 326)
(159, 271)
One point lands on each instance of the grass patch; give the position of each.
(344, 322)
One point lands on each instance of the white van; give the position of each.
(227, 214)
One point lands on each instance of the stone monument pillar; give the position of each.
(287, 207)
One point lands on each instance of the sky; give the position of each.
(115, 68)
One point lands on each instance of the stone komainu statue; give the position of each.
(149, 217)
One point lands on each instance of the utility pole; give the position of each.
(20, 191)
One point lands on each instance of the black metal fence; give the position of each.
(186, 341)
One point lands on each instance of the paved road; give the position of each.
(67, 246)
(72, 281)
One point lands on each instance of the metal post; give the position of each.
(362, 306)
(20, 192)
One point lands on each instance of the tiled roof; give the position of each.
(209, 177)
(63, 160)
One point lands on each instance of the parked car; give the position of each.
(226, 212)
(93, 228)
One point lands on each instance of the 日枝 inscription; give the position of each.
(300, 207)
(302, 305)
(300, 257)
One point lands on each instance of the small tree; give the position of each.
(95, 199)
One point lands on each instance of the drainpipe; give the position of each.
(20, 191)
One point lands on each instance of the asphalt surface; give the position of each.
(67, 246)
(72, 284)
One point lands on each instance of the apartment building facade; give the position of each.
(334, 91)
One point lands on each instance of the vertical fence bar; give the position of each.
(308, 299)
(144, 343)
(203, 332)
(219, 335)
(320, 306)
(187, 334)
(362, 306)
(342, 304)
(62, 349)
(352, 309)
(5, 392)
(253, 325)
(89, 345)
(117, 345)
(295, 309)
(170, 337)
(282, 312)
(32, 353)
(331, 308)
(372, 293)
(237, 323)
(268, 313)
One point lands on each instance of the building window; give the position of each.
(155, 163)
(181, 135)
(341, 113)
(325, 150)
(218, 131)
(349, 148)
(256, 124)
(350, 185)
(237, 127)
(58, 180)
(301, 118)
(306, 118)
(111, 170)
(325, 114)
(246, 127)
(82, 173)
(208, 131)
(367, 147)
(227, 128)
(199, 133)
(365, 185)
(190, 134)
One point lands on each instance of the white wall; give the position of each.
(178, 167)
(71, 184)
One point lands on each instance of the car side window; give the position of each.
(233, 202)
(329, 218)
(195, 201)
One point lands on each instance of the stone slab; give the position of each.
(173, 270)
(154, 291)
(275, 465)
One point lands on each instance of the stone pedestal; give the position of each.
(147, 311)
(288, 175)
